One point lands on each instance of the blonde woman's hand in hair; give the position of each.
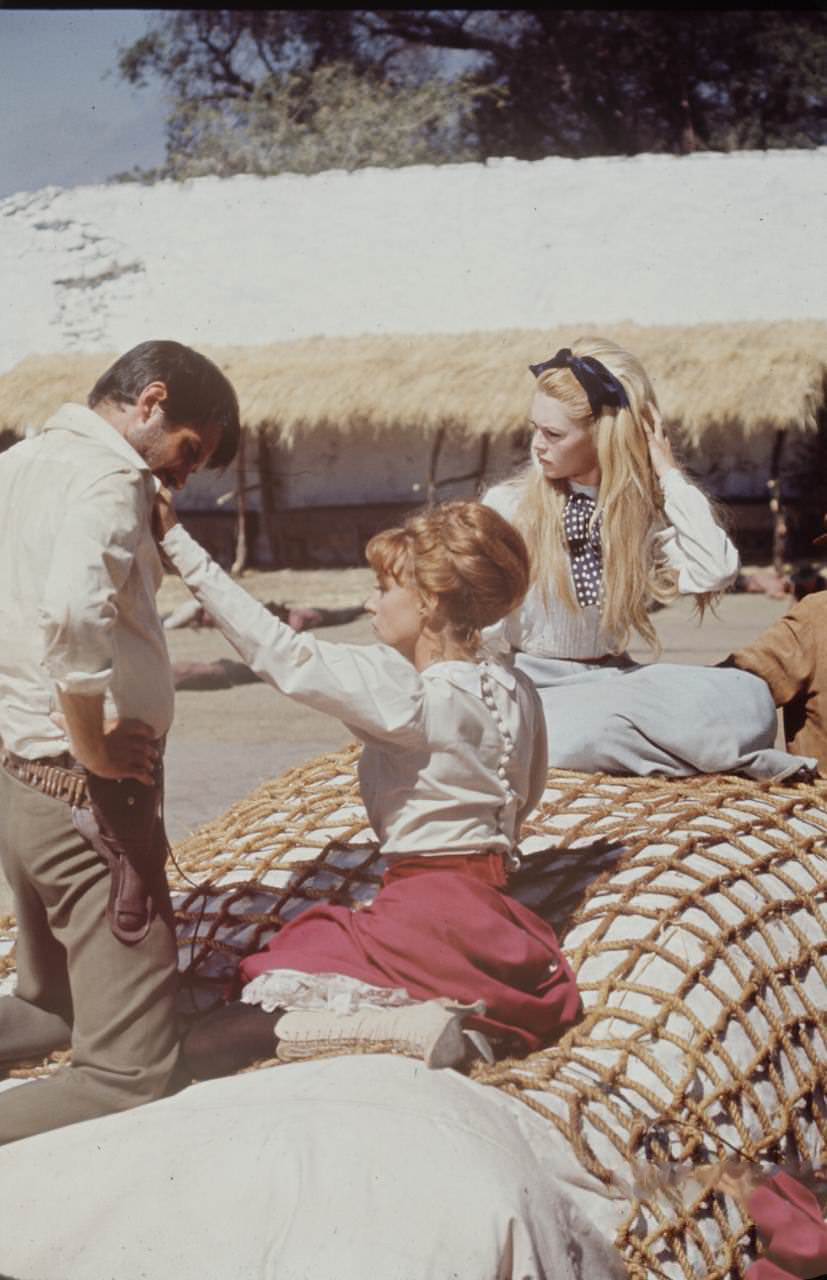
(660, 450)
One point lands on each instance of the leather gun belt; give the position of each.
(60, 777)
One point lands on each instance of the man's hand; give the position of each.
(163, 514)
(129, 749)
(118, 749)
(660, 450)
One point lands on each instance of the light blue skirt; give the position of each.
(665, 718)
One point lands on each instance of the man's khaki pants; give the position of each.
(74, 978)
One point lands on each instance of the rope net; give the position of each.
(700, 956)
(694, 914)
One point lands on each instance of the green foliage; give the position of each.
(329, 118)
(266, 91)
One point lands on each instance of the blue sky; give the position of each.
(63, 120)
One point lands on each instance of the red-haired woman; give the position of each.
(454, 759)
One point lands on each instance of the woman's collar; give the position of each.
(591, 490)
(468, 675)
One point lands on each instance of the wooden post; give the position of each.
(485, 443)
(779, 523)
(478, 475)
(240, 562)
(265, 475)
(433, 483)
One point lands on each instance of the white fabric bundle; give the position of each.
(336, 1170)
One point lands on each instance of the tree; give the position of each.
(330, 117)
(297, 90)
(521, 82)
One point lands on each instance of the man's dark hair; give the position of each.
(198, 392)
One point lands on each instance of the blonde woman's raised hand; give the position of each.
(660, 450)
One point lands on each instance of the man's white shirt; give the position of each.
(79, 571)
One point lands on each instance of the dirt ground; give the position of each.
(225, 742)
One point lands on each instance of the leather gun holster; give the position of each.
(124, 825)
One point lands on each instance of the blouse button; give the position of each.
(501, 771)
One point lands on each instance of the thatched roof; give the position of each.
(746, 379)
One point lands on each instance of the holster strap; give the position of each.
(129, 908)
(123, 824)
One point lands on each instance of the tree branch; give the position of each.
(432, 31)
(223, 60)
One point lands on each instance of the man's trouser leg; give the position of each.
(121, 999)
(39, 1018)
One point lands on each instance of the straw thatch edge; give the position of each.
(743, 379)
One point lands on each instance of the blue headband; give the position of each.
(602, 387)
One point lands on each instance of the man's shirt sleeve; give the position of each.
(93, 554)
(371, 688)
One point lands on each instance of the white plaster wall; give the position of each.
(651, 239)
(648, 239)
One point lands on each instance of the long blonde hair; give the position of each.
(630, 500)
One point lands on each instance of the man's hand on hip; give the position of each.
(119, 749)
(130, 750)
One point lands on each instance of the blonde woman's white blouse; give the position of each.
(693, 544)
(441, 770)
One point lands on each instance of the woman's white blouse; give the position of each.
(693, 544)
(436, 774)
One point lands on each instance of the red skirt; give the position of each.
(442, 927)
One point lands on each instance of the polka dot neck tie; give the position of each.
(584, 547)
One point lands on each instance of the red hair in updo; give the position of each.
(469, 566)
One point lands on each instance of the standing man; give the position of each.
(86, 699)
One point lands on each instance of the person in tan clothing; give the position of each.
(791, 656)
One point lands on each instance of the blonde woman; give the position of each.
(612, 526)
(454, 760)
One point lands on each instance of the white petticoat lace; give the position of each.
(289, 989)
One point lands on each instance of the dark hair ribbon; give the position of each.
(600, 385)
